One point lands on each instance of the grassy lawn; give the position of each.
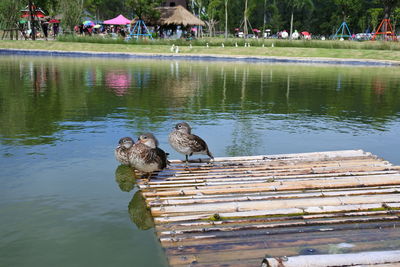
(229, 50)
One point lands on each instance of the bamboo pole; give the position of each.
(281, 186)
(228, 207)
(240, 198)
(253, 171)
(274, 204)
(351, 259)
(322, 155)
(285, 237)
(349, 237)
(168, 218)
(263, 220)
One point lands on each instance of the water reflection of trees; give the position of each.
(139, 214)
(37, 94)
(124, 178)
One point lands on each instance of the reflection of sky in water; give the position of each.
(61, 119)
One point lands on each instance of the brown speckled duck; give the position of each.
(186, 143)
(123, 150)
(146, 156)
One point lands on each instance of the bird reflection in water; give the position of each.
(124, 176)
(138, 212)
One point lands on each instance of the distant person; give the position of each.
(45, 28)
(55, 30)
(122, 32)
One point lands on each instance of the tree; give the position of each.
(226, 18)
(297, 4)
(272, 17)
(396, 17)
(145, 8)
(212, 14)
(347, 7)
(388, 6)
(72, 12)
(10, 12)
(374, 14)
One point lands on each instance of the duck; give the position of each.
(123, 149)
(183, 141)
(145, 155)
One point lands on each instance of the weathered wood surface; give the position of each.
(298, 207)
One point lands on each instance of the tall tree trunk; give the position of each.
(33, 32)
(226, 19)
(265, 17)
(245, 29)
(199, 27)
(291, 26)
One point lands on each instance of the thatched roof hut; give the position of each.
(178, 15)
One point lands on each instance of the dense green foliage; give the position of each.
(316, 16)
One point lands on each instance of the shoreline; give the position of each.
(202, 57)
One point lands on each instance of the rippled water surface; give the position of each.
(64, 201)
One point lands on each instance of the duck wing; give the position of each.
(162, 156)
(199, 145)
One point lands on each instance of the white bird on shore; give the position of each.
(248, 44)
(173, 48)
(236, 45)
(190, 46)
(222, 45)
(207, 45)
(263, 45)
(177, 49)
(272, 45)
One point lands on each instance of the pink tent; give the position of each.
(120, 20)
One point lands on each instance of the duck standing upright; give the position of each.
(183, 141)
(146, 156)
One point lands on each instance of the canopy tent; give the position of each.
(120, 20)
(178, 15)
(36, 12)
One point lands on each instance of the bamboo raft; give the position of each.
(311, 209)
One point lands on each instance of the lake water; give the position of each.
(64, 201)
